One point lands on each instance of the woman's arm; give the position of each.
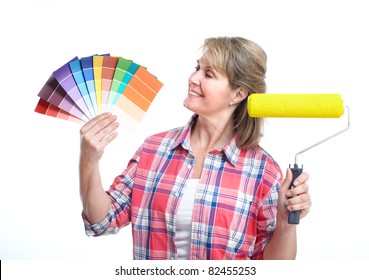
(95, 135)
(284, 242)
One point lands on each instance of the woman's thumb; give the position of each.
(287, 181)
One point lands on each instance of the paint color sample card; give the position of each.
(53, 93)
(83, 88)
(65, 78)
(46, 108)
(108, 69)
(139, 93)
(88, 74)
(75, 67)
(116, 86)
(97, 62)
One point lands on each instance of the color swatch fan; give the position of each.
(83, 88)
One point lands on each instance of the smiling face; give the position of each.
(231, 68)
(209, 92)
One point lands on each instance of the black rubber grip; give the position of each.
(294, 216)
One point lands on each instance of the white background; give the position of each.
(312, 46)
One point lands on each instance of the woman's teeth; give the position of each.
(193, 93)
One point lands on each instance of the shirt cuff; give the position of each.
(98, 228)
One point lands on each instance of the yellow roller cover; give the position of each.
(293, 105)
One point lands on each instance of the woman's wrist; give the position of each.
(282, 223)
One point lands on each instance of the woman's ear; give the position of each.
(240, 95)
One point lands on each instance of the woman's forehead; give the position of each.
(210, 61)
(203, 61)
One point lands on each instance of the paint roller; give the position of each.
(298, 106)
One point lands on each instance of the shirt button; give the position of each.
(189, 166)
(177, 194)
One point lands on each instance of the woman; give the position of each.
(206, 190)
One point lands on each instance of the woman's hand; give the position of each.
(95, 135)
(295, 199)
(284, 240)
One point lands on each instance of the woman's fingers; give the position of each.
(298, 197)
(102, 129)
(97, 123)
(96, 134)
(108, 134)
(298, 202)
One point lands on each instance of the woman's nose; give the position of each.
(195, 78)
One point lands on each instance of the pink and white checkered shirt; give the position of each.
(235, 206)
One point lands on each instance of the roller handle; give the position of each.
(294, 216)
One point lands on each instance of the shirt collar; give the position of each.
(230, 150)
(184, 134)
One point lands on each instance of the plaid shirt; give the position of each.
(235, 206)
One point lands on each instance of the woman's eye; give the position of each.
(209, 74)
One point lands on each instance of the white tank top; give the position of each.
(184, 220)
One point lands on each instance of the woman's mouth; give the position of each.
(193, 93)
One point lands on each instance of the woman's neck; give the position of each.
(211, 134)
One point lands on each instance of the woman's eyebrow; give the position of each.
(206, 66)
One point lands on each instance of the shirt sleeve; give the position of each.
(120, 195)
(267, 213)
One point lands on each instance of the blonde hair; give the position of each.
(243, 62)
